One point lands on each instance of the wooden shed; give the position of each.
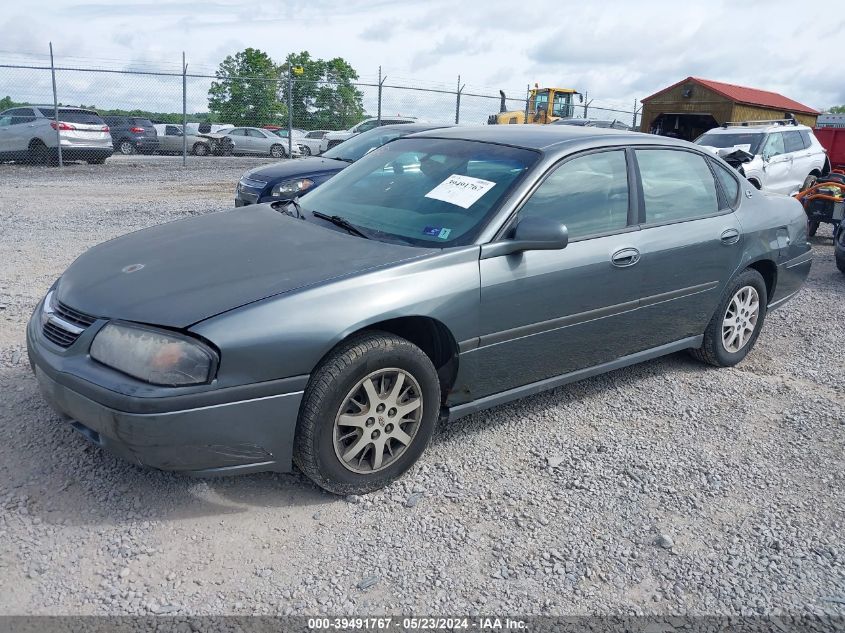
(694, 105)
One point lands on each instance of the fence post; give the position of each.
(184, 111)
(586, 104)
(527, 100)
(56, 107)
(458, 101)
(380, 83)
(290, 108)
(634, 122)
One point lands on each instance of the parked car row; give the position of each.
(28, 133)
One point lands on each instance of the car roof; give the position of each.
(415, 127)
(542, 137)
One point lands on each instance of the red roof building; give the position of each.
(694, 105)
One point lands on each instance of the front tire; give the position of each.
(812, 228)
(200, 149)
(306, 151)
(737, 322)
(367, 415)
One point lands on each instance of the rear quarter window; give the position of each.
(728, 182)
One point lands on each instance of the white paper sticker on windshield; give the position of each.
(463, 191)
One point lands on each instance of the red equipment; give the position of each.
(833, 140)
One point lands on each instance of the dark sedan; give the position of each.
(441, 274)
(288, 179)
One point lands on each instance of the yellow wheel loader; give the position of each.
(545, 105)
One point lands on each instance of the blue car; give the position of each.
(287, 179)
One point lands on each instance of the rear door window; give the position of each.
(22, 115)
(729, 183)
(255, 133)
(792, 141)
(677, 185)
(805, 136)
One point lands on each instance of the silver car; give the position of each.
(28, 133)
(258, 141)
(171, 140)
(445, 272)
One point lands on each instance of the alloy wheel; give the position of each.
(126, 147)
(378, 420)
(740, 319)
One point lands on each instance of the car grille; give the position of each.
(65, 325)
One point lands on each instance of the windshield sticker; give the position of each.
(462, 191)
(436, 231)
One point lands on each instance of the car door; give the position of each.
(801, 159)
(239, 140)
(171, 140)
(550, 312)
(259, 142)
(19, 131)
(690, 242)
(777, 164)
(6, 133)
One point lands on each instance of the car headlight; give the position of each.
(154, 356)
(291, 187)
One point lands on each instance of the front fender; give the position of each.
(287, 335)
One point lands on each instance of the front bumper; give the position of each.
(240, 436)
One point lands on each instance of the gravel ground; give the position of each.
(665, 488)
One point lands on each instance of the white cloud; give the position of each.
(618, 51)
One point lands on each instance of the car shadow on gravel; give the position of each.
(626, 378)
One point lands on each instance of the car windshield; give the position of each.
(423, 191)
(749, 141)
(358, 146)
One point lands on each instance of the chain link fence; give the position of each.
(191, 113)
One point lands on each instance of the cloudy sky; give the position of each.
(616, 50)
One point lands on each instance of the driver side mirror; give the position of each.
(530, 234)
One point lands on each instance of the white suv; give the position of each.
(28, 133)
(336, 138)
(787, 157)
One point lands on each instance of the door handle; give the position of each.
(625, 257)
(729, 236)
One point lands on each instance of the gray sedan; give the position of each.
(444, 273)
(255, 140)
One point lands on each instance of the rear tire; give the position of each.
(127, 148)
(809, 181)
(812, 228)
(39, 154)
(277, 151)
(351, 419)
(735, 326)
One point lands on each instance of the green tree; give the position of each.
(324, 94)
(7, 102)
(838, 109)
(247, 90)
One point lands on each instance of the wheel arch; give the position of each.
(432, 336)
(769, 271)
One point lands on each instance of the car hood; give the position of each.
(292, 169)
(183, 272)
